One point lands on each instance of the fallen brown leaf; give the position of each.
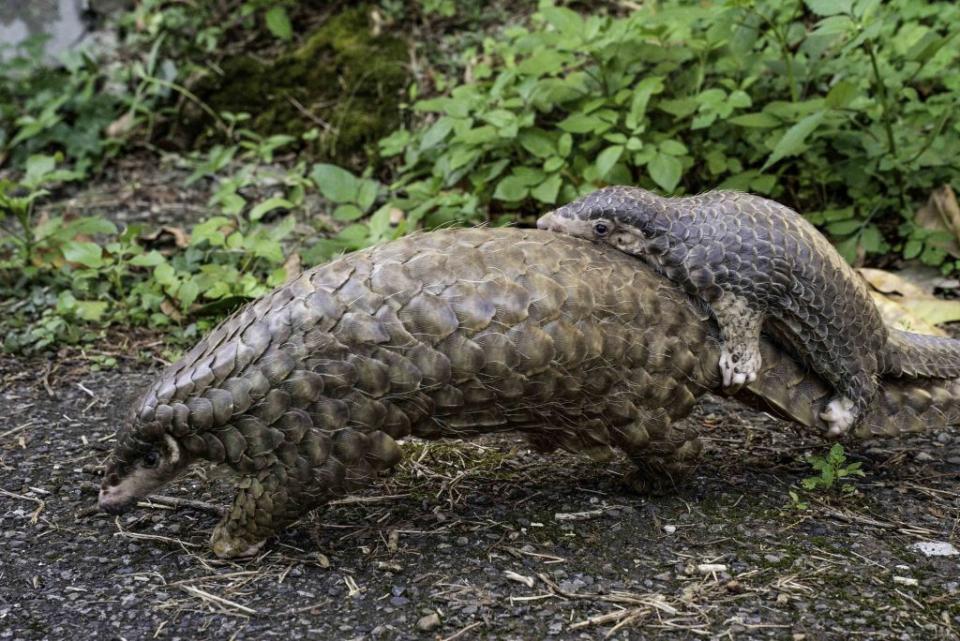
(163, 235)
(942, 213)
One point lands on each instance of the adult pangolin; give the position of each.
(755, 262)
(304, 392)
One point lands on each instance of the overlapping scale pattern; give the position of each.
(763, 252)
(305, 391)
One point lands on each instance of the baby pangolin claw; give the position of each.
(840, 416)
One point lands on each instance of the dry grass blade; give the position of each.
(174, 501)
(226, 605)
(35, 515)
(463, 631)
(151, 537)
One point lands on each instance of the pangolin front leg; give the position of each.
(740, 332)
(265, 503)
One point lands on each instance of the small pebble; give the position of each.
(429, 622)
(935, 548)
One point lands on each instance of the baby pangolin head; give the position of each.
(620, 216)
(145, 458)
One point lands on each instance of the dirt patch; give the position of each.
(497, 541)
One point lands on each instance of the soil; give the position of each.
(475, 540)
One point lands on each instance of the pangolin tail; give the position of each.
(910, 354)
(902, 405)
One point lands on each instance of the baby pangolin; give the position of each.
(757, 263)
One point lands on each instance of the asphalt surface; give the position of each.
(476, 540)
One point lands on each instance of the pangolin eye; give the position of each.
(601, 229)
(151, 459)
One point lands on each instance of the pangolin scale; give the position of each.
(755, 261)
(304, 392)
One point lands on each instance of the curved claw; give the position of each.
(840, 416)
(738, 370)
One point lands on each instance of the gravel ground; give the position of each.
(476, 540)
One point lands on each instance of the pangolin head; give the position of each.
(145, 457)
(620, 216)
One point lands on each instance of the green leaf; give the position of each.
(642, 93)
(665, 170)
(209, 231)
(542, 63)
(269, 205)
(842, 94)
(165, 275)
(546, 192)
(90, 310)
(335, 183)
(478, 135)
(673, 147)
(367, 195)
(38, 167)
(757, 120)
(829, 7)
(872, 240)
(347, 212)
(848, 249)
(912, 248)
(187, 293)
(565, 20)
(278, 22)
(356, 233)
(511, 189)
(150, 259)
(537, 142)
(436, 133)
(792, 142)
(680, 108)
(553, 164)
(580, 123)
(86, 253)
(844, 227)
(607, 159)
(834, 26)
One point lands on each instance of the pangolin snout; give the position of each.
(113, 505)
(111, 500)
(547, 222)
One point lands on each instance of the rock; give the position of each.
(935, 548)
(428, 622)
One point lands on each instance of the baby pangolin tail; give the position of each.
(910, 354)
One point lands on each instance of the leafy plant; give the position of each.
(833, 472)
(841, 109)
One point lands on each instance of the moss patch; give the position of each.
(342, 80)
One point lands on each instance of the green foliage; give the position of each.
(45, 110)
(61, 278)
(843, 110)
(833, 472)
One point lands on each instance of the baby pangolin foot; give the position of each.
(840, 416)
(738, 367)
